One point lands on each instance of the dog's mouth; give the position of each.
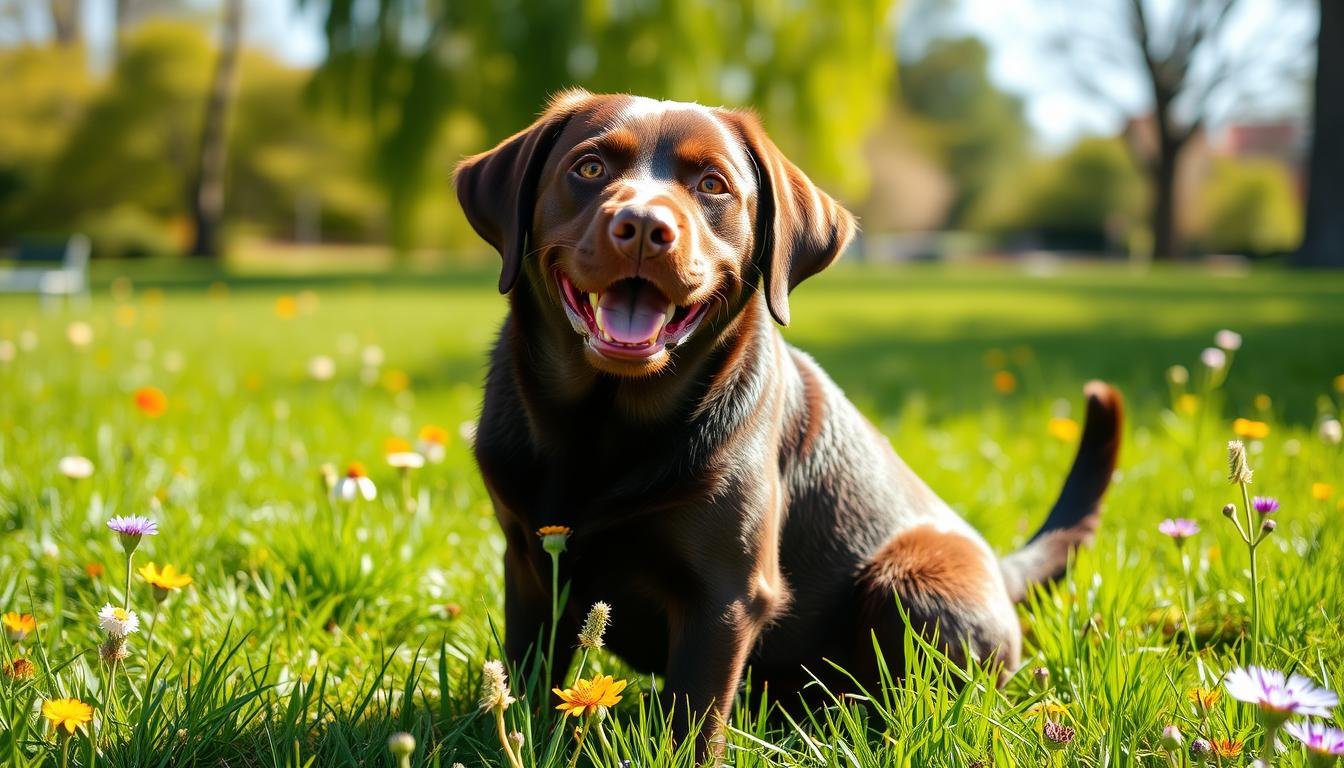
(630, 319)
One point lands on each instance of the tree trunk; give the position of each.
(1323, 243)
(65, 21)
(207, 194)
(1162, 216)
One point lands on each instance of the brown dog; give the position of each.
(726, 499)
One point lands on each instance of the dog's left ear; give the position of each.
(800, 230)
(498, 188)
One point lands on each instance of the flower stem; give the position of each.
(153, 620)
(574, 759)
(504, 738)
(1189, 602)
(126, 598)
(1252, 544)
(555, 611)
(65, 751)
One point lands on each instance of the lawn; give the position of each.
(315, 628)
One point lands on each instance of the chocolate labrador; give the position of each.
(726, 499)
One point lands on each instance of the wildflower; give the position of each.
(1319, 739)
(401, 744)
(1250, 430)
(113, 650)
(1178, 375)
(355, 483)
(1179, 529)
(1268, 525)
(1057, 735)
(554, 537)
(372, 356)
(94, 570)
(18, 626)
(1204, 698)
(1005, 382)
(164, 581)
(286, 307)
(595, 625)
(75, 467)
(1201, 750)
(517, 739)
(69, 714)
(1226, 747)
(589, 696)
(321, 368)
(404, 460)
(1331, 431)
(1277, 696)
(1187, 403)
(79, 333)
(118, 622)
(1265, 505)
(1238, 471)
(495, 686)
(20, 669)
(1048, 710)
(1041, 674)
(431, 443)
(1227, 340)
(1213, 358)
(1064, 429)
(1172, 740)
(151, 401)
(132, 528)
(1229, 510)
(1322, 491)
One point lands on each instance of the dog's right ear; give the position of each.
(498, 188)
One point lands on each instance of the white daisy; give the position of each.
(118, 622)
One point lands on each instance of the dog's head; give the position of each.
(642, 220)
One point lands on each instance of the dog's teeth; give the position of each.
(669, 312)
(592, 300)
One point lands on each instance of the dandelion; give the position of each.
(1322, 741)
(1063, 429)
(586, 697)
(132, 528)
(164, 581)
(432, 443)
(1213, 358)
(1331, 432)
(590, 637)
(1204, 699)
(1227, 340)
(18, 626)
(118, 622)
(20, 669)
(151, 401)
(1322, 491)
(1265, 505)
(1057, 735)
(1250, 430)
(75, 467)
(69, 714)
(1179, 529)
(1005, 383)
(355, 483)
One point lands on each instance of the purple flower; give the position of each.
(132, 528)
(1179, 528)
(1279, 697)
(1317, 737)
(1265, 505)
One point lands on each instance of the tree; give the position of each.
(207, 193)
(1197, 60)
(1324, 242)
(65, 21)
(817, 71)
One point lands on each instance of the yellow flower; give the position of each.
(1203, 698)
(67, 713)
(1047, 709)
(1227, 747)
(167, 579)
(1339, 383)
(588, 696)
(1187, 403)
(432, 433)
(286, 307)
(18, 625)
(1250, 430)
(1322, 491)
(1004, 382)
(395, 445)
(1064, 430)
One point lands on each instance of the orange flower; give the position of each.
(1322, 491)
(432, 433)
(1250, 430)
(1203, 698)
(1227, 747)
(93, 570)
(20, 669)
(151, 401)
(1064, 430)
(1005, 382)
(355, 470)
(18, 625)
(588, 696)
(395, 445)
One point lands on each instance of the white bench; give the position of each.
(49, 269)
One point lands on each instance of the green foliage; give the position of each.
(816, 71)
(978, 132)
(1251, 207)
(127, 231)
(1086, 195)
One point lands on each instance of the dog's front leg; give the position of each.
(706, 656)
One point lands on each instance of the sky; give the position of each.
(1013, 30)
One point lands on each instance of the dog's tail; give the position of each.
(1073, 520)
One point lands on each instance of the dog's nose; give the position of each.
(643, 230)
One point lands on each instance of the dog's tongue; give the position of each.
(633, 312)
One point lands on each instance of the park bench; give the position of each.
(52, 269)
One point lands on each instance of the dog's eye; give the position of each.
(712, 184)
(590, 168)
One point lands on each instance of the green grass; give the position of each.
(314, 630)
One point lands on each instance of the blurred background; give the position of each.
(299, 135)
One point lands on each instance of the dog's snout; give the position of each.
(643, 230)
